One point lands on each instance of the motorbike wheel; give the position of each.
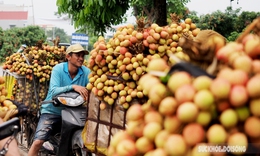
(78, 152)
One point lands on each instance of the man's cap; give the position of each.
(24, 45)
(75, 48)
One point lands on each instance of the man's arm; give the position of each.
(56, 83)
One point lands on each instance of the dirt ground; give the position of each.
(23, 151)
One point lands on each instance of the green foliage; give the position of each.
(173, 6)
(92, 40)
(158, 11)
(32, 34)
(177, 6)
(245, 18)
(94, 16)
(192, 15)
(1, 38)
(13, 38)
(64, 38)
(228, 23)
(233, 36)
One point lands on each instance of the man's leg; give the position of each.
(43, 132)
(36, 146)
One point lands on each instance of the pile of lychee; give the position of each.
(7, 107)
(187, 112)
(32, 70)
(35, 61)
(117, 64)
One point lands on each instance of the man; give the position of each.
(65, 76)
(21, 49)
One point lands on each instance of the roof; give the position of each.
(13, 15)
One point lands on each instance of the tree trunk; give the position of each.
(160, 12)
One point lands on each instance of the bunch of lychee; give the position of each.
(187, 112)
(7, 108)
(35, 61)
(32, 70)
(117, 64)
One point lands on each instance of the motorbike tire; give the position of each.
(77, 142)
(78, 152)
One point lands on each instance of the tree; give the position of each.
(13, 38)
(157, 11)
(64, 38)
(228, 23)
(97, 16)
(245, 18)
(1, 38)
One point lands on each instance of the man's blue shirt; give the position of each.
(61, 82)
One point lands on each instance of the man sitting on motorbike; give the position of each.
(65, 76)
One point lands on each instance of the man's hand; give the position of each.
(82, 90)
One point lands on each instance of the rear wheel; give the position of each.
(77, 143)
(77, 151)
(28, 126)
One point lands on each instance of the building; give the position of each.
(14, 16)
(10, 19)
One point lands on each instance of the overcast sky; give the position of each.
(44, 9)
(208, 6)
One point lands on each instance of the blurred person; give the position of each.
(21, 49)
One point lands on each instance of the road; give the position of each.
(23, 151)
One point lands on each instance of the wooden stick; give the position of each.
(248, 29)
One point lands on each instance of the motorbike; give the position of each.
(67, 140)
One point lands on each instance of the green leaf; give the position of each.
(103, 15)
(90, 2)
(100, 2)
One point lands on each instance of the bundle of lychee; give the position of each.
(25, 92)
(196, 116)
(7, 108)
(117, 64)
(37, 60)
(202, 49)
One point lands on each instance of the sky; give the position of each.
(209, 6)
(43, 10)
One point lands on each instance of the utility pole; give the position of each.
(53, 33)
(33, 13)
(232, 1)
